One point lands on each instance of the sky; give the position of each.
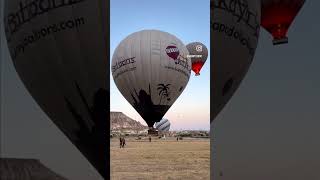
(187, 21)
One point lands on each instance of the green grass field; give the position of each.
(160, 159)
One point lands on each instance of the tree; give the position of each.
(163, 91)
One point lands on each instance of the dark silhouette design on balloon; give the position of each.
(181, 88)
(164, 91)
(149, 111)
(92, 141)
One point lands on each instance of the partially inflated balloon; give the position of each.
(235, 27)
(277, 16)
(151, 69)
(59, 49)
(198, 53)
(163, 125)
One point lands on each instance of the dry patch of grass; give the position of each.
(160, 159)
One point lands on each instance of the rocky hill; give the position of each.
(120, 121)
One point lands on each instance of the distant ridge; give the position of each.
(119, 122)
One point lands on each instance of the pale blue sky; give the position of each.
(189, 21)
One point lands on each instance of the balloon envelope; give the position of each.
(163, 125)
(198, 54)
(59, 50)
(151, 69)
(234, 38)
(277, 16)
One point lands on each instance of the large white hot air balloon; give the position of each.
(151, 69)
(163, 125)
(235, 27)
(59, 49)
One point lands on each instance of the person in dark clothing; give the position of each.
(149, 138)
(121, 142)
(177, 138)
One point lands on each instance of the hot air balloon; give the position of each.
(151, 69)
(235, 27)
(163, 125)
(13, 168)
(198, 54)
(277, 16)
(59, 49)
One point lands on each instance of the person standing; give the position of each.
(120, 141)
(123, 142)
(149, 138)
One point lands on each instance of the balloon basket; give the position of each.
(153, 132)
(280, 41)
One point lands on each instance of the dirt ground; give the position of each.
(187, 159)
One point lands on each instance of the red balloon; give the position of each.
(196, 67)
(277, 16)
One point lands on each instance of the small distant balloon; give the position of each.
(198, 53)
(163, 125)
(277, 16)
(173, 52)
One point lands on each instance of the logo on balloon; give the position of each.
(173, 52)
(199, 48)
(122, 63)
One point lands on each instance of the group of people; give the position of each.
(122, 142)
